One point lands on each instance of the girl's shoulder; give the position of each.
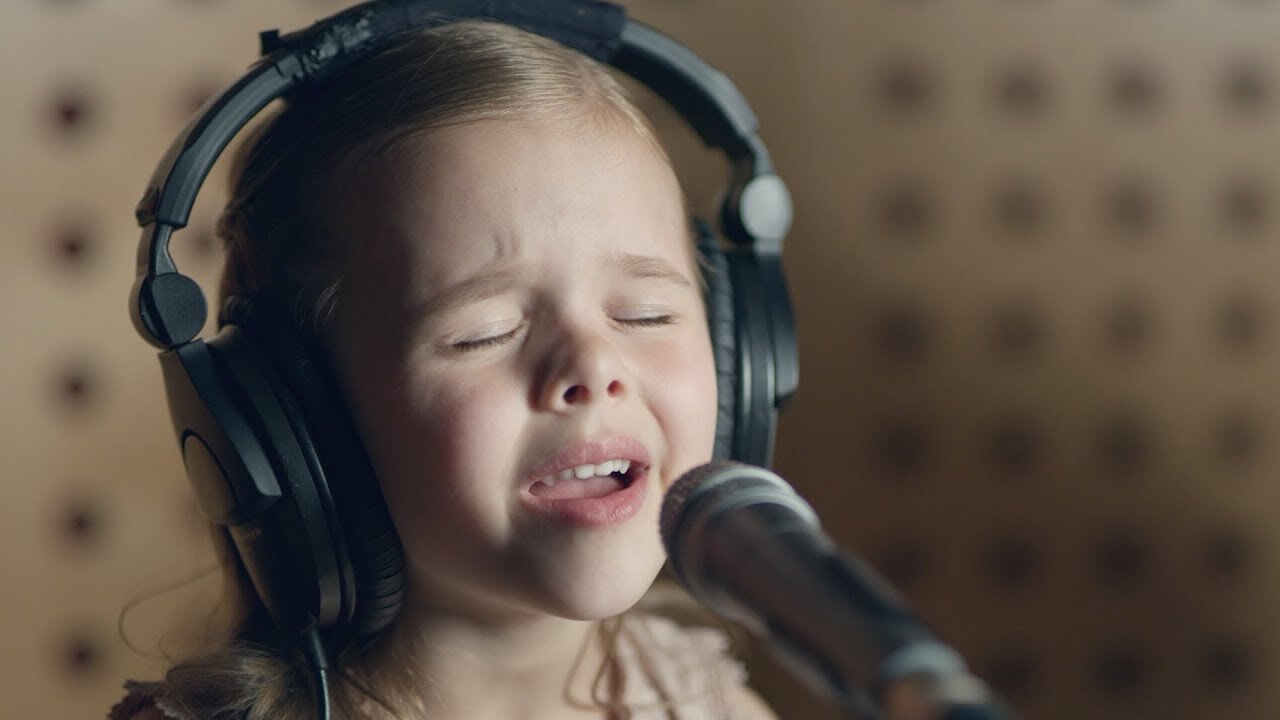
(145, 701)
(149, 712)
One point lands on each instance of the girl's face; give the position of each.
(521, 304)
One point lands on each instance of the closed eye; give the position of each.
(493, 341)
(504, 338)
(648, 321)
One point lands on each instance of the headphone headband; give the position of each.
(169, 311)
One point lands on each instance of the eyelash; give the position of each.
(649, 321)
(468, 345)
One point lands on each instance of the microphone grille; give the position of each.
(677, 497)
(707, 492)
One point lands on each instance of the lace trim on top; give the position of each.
(675, 672)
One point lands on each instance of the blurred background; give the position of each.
(1032, 266)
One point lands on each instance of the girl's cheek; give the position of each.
(683, 373)
(463, 393)
(684, 355)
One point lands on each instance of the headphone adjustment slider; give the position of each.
(145, 212)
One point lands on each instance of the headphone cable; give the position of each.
(313, 648)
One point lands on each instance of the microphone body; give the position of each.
(744, 544)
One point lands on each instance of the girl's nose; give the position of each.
(582, 370)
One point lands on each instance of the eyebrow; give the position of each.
(481, 286)
(491, 282)
(647, 267)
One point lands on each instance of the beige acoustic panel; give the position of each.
(1032, 267)
(1037, 334)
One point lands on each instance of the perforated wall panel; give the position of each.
(1032, 267)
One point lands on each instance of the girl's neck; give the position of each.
(527, 667)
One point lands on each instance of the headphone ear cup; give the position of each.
(718, 296)
(367, 545)
(251, 474)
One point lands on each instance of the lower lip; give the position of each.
(612, 509)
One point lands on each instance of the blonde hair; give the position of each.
(277, 246)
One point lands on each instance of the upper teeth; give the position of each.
(583, 472)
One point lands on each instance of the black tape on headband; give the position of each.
(589, 26)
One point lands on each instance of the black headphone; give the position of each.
(265, 436)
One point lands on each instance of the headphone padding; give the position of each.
(724, 341)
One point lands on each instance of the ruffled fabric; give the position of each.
(666, 671)
(674, 672)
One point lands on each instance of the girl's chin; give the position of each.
(595, 603)
(576, 581)
(596, 597)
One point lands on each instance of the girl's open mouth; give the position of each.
(585, 481)
(594, 500)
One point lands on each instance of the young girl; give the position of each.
(490, 246)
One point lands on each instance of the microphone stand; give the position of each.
(866, 651)
(924, 697)
(745, 545)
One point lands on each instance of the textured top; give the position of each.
(666, 671)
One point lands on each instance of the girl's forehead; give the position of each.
(497, 189)
(538, 166)
(591, 144)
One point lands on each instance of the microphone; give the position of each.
(748, 547)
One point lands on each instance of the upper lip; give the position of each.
(590, 451)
